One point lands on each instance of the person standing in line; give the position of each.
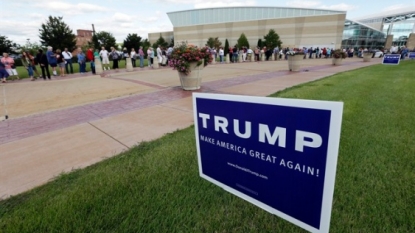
(250, 53)
(149, 60)
(105, 61)
(43, 63)
(96, 53)
(27, 62)
(8, 62)
(61, 62)
(169, 51)
(52, 60)
(404, 52)
(275, 53)
(164, 57)
(81, 61)
(141, 54)
(262, 52)
(213, 53)
(305, 50)
(256, 53)
(34, 63)
(221, 54)
(241, 54)
(159, 55)
(125, 54)
(133, 56)
(3, 72)
(115, 57)
(235, 54)
(324, 52)
(68, 58)
(90, 58)
(152, 57)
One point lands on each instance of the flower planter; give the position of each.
(193, 80)
(129, 64)
(367, 57)
(294, 62)
(98, 65)
(337, 61)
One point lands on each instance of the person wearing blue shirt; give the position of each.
(3, 73)
(53, 62)
(82, 61)
(404, 52)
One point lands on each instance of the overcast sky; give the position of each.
(21, 19)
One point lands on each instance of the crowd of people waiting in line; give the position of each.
(62, 60)
(246, 54)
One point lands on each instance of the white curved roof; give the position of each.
(391, 13)
(238, 14)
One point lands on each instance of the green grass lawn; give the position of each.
(155, 187)
(24, 74)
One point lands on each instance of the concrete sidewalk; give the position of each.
(60, 125)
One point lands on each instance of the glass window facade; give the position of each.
(400, 31)
(356, 35)
(399, 25)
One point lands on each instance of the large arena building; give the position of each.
(297, 27)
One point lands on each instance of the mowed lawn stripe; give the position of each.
(155, 187)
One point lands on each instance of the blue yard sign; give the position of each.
(278, 154)
(411, 55)
(391, 59)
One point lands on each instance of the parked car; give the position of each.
(377, 53)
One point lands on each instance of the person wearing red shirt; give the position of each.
(90, 58)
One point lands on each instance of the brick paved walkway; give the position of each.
(20, 128)
(134, 117)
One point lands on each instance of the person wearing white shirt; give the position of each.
(250, 53)
(105, 61)
(394, 49)
(133, 56)
(150, 56)
(159, 54)
(221, 53)
(68, 58)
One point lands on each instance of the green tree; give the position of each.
(32, 48)
(259, 44)
(105, 39)
(226, 47)
(132, 41)
(218, 43)
(214, 42)
(272, 39)
(243, 41)
(7, 46)
(146, 44)
(162, 42)
(210, 42)
(56, 33)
